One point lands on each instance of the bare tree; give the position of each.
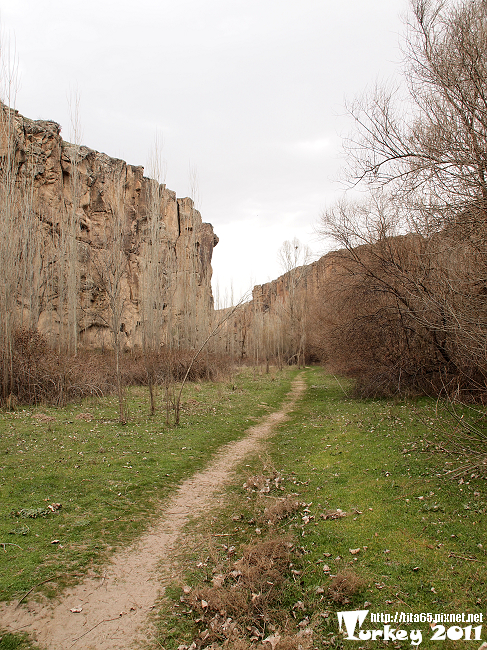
(22, 267)
(72, 227)
(431, 144)
(110, 262)
(424, 157)
(155, 273)
(294, 258)
(212, 333)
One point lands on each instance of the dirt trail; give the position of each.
(115, 608)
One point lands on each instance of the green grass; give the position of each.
(110, 479)
(15, 642)
(422, 535)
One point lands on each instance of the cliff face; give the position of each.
(280, 321)
(91, 206)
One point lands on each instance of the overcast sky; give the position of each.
(247, 96)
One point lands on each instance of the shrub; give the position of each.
(40, 375)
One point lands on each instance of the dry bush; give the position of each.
(41, 375)
(264, 566)
(344, 586)
(281, 509)
(420, 312)
(247, 596)
(398, 320)
(171, 365)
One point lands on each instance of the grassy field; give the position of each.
(412, 540)
(74, 488)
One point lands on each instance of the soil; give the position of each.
(114, 610)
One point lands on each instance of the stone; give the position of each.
(69, 179)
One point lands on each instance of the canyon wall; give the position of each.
(91, 208)
(281, 321)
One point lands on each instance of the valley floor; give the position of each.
(362, 492)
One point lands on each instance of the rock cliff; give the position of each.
(281, 320)
(120, 240)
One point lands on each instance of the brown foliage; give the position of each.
(345, 585)
(39, 375)
(402, 315)
(246, 596)
(411, 312)
(281, 509)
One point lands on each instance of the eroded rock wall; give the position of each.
(90, 203)
(281, 319)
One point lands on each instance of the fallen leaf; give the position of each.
(272, 640)
(354, 551)
(218, 580)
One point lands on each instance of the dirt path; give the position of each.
(115, 608)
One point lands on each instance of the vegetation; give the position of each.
(76, 475)
(412, 264)
(354, 505)
(401, 306)
(374, 503)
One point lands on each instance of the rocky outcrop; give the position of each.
(90, 203)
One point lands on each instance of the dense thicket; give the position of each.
(408, 307)
(40, 375)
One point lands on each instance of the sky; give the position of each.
(246, 99)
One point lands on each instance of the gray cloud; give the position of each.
(249, 93)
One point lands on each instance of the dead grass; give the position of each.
(344, 586)
(281, 509)
(245, 596)
(250, 603)
(301, 641)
